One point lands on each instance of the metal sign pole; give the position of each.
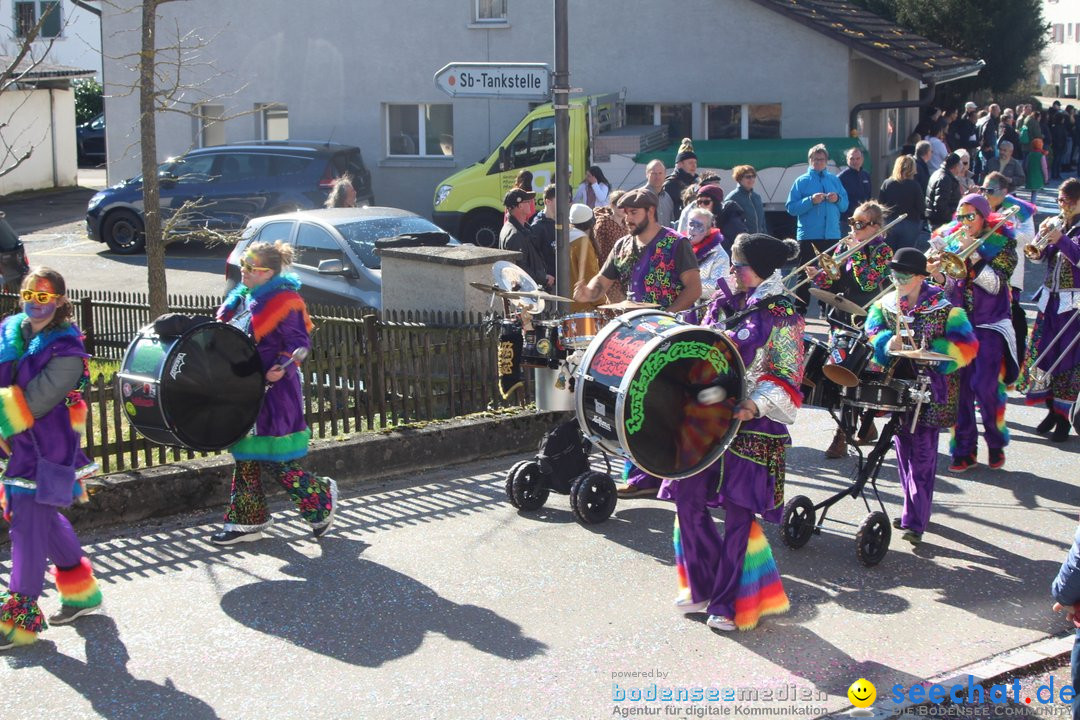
(561, 101)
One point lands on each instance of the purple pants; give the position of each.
(714, 564)
(639, 478)
(916, 461)
(979, 381)
(39, 533)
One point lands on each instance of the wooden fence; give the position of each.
(365, 371)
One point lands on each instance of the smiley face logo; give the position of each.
(862, 693)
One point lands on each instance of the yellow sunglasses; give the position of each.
(39, 296)
(248, 267)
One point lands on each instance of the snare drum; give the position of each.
(817, 353)
(541, 347)
(877, 392)
(579, 329)
(202, 389)
(848, 357)
(637, 392)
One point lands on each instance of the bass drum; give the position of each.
(638, 392)
(202, 389)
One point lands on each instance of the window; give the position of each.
(314, 244)
(676, 117)
(535, 144)
(211, 126)
(274, 231)
(723, 122)
(743, 122)
(237, 167)
(420, 130)
(273, 121)
(490, 11)
(28, 13)
(764, 122)
(193, 170)
(1057, 33)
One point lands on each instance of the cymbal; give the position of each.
(487, 288)
(837, 301)
(921, 355)
(627, 305)
(511, 278)
(537, 295)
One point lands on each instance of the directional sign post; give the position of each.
(508, 81)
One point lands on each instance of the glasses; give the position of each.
(748, 176)
(39, 296)
(248, 267)
(860, 224)
(1063, 201)
(695, 225)
(739, 266)
(967, 217)
(991, 191)
(902, 278)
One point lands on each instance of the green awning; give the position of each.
(726, 154)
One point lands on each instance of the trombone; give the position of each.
(832, 265)
(1034, 249)
(954, 264)
(1040, 379)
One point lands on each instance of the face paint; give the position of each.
(38, 312)
(901, 278)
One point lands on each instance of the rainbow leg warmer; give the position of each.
(680, 563)
(78, 587)
(760, 591)
(20, 618)
(1003, 400)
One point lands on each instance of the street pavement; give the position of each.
(432, 597)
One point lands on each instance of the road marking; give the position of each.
(61, 250)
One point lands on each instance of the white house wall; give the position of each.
(335, 64)
(25, 117)
(79, 43)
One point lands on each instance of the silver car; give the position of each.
(335, 249)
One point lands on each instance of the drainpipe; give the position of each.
(926, 96)
(52, 135)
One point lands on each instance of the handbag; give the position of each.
(55, 482)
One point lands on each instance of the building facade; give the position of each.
(1060, 66)
(70, 34)
(362, 74)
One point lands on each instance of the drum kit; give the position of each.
(646, 387)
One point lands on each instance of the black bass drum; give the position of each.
(201, 389)
(660, 392)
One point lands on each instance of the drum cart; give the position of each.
(562, 465)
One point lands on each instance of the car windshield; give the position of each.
(362, 234)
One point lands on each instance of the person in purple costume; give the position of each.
(655, 265)
(749, 477)
(43, 371)
(268, 306)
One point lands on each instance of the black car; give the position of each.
(90, 141)
(220, 188)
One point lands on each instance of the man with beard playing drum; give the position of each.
(733, 577)
(924, 317)
(655, 265)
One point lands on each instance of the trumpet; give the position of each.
(832, 265)
(1034, 249)
(954, 264)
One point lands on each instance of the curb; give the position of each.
(358, 460)
(1026, 659)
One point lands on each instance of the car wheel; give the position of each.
(123, 232)
(482, 227)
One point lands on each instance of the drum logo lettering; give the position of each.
(615, 356)
(177, 366)
(656, 363)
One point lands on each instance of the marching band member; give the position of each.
(1059, 301)
(43, 371)
(654, 265)
(861, 278)
(984, 294)
(275, 316)
(943, 328)
(734, 577)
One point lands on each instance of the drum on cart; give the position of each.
(202, 389)
(878, 391)
(660, 392)
(579, 329)
(818, 390)
(849, 355)
(541, 347)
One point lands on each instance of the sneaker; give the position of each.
(319, 530)
(68, 613)
(719, 622)
(635, 491)
(7, 642)
(838, 449)
(687, 606)
(232, 537)
(912, 537)
(997, 458)
(960, 464)
(898, 524)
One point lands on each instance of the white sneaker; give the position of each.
(719, 622)
(687, 606)
(319, 530)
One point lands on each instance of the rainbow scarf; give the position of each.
(760, 591)
(271, 303)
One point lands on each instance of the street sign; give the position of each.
(508, 81)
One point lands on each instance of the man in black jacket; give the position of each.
(516, 235)
(684, 176)
(922, 164)
(543, 228)
(944, 193)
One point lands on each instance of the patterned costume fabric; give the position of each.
(735, 572)
(648, 273)
(998, 252)
(1059, 301)
(279, 325)
(861, 274)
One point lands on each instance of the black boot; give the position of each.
(1048, 423)
(1061, 430)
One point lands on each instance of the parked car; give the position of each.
(221, 188)
(90, 141)
(334, 249)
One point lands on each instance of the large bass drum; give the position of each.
(202, 389)
(638, 392)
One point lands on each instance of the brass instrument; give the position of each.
(1039, 378)
(807, 264)
(1034, 249)
(832, 265)
(954, 264)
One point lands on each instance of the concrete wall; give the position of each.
(872, 82)
(335, 65)
(24, 116)
(79, 43)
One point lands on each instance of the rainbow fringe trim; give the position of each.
(959, 342)
(760, 591)
(1003, 400)
(20, 618)
(78, 587)
(680, 563)
(271, 448)
(15, 415)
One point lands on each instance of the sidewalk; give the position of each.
(32, 211)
